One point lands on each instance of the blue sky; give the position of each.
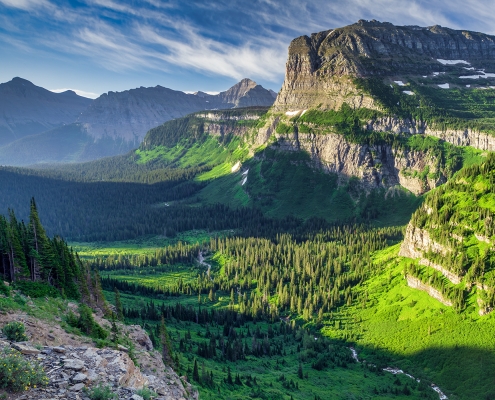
(96, 46)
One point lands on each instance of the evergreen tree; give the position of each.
(167, 351)
(118, 305)
(195, 371)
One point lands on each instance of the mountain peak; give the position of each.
(20, 81)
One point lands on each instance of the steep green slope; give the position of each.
(452, 236)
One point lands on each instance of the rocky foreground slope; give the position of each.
(73, 365)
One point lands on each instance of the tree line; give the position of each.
(41, 265)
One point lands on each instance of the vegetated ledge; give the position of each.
(419, 245)
(416, 283)
(457, 137)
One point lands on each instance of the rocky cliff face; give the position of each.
(27, 109)
(377, 166)
(415, 283)
(320, 68)
(460, 137)
(416, 241)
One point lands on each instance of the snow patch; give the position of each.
(483, 74)
(303, 112)
(468, 85)
(400, 83)
(236, 167)
(292, 113)
(452, 62)
(408, 92)
(469, 68)
(444, 86)
(244, 181)
(245, 172)
(436, 73)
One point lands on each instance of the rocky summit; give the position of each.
(371, 49)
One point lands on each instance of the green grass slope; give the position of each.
(425, 338)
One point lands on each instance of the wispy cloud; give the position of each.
(25, 4)
(78, 92)
(227, 38)
(200, 53)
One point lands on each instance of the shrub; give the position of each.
(4, 289)
(17, 373)
(146, 393)
(37, 289)
(101, 392)
(86, 323)
(15, 331)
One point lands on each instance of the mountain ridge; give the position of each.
(116, 122)
(29, 109)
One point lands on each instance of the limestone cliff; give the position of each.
(377, 166)
(457, 137)
(320, 67)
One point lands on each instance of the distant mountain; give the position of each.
(27, 109)
(113, 124)
(130, 114)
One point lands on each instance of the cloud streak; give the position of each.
(26, 4)
(82, 93)
(227, 38)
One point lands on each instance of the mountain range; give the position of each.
(359, 206)
(38, 126)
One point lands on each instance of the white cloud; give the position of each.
(25, 4)
(235, 61)
(82, 93)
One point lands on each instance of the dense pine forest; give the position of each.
(43, 266)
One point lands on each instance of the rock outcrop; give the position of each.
(415, 283)
(73, 364)
(460, 137)
(417, 241)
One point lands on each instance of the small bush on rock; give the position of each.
(17, 373)
(146, 393)
(15, 331)
(101, 392)
(86, 323)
